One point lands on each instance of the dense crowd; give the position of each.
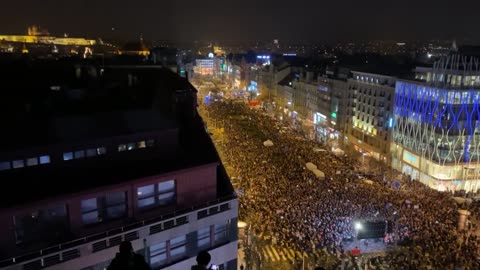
(285, 201)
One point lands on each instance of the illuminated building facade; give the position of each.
(369, 114)
(39, 41)
(437, 131)
(35, 30)
(210, 66)
(311, 102)
(204, 67)
(48, 40)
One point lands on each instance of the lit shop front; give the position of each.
(441, 177)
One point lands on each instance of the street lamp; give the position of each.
(358, 226)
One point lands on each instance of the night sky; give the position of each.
(247, 20)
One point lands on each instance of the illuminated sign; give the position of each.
(289, 54)
(252, 86)
(323, 88)
(317, 117)
(390, 123)
(411, 159)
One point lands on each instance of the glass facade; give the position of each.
(441, 130)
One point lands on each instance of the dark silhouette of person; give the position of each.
(203, 259)
(126, 259)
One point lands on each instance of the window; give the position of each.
(178, 248)
(115, 205)
(32, 161)
(166, 192)
(122, 147)
(158, 254)
(42, 225)
(101, 151)
(68, 156)
(161, 194)
(141, 144)
(131, 146)
(44, 159)
(18, 163)
(90, 211)
(111, 206)
(79, 154)
(91, 152)
(220, 233)
(203, 238)
(5, 165)
(146, 196)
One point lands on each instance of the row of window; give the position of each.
(79, 154)
(45, 224)
(109, 207)
(175, 249)
(373, 92)
(366, 120)
(114, 205)
(373, 80)
(102, 150)
(367, 100)
(20, 163)
(53, 222)
(137, 145)
(92, 152)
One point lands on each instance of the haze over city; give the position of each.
(248, 20)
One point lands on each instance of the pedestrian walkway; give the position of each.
(276, 254)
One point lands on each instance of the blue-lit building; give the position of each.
(436, 137)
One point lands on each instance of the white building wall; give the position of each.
(90, 258)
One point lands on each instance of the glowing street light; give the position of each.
(358, 226)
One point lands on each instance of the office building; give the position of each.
(369, 114)
(436, 137)
(93, 156)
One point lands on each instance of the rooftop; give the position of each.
(195, 149)
(60, 102)
(97, 103)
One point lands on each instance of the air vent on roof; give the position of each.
(33, 265)
(182, 220)
(114, 241)
(168, 224)
(99, 245)
(156, 228)
(202, 214)
(224, 207)
(131, 236)
(71, 254)
(51, 260)
(213, 210)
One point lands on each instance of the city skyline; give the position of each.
(248, 20)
